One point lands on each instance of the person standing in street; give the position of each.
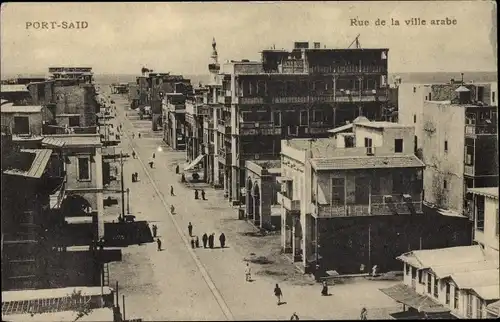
(204, 239)
(139, 135)
(248, 273)
(154, 155)
(364, 314)
(211, 241)
(155, 230)
(324, 290)
(172, 191)
(190, 229)
(177, 169)
(196, 194)
(197, 242)
(203, 194)
(222, 240)
(278, 293)
(151, 163)
(133, 135)
(133, 154)
(192, 243)
(158, 242)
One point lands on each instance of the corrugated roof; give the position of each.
(74, 140)
(8, 108)
(37, 167)
(55, 142)
(364, 162)
(470, 280)
(447, 270)
(404, 294)
(9, 88)
(487, 192)
(428, 258)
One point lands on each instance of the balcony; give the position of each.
(473, 130)
(469, 170)
(379, 206)
(350, 69)
(287, 203)
(224, 128)
(371, 95)
(259, 128)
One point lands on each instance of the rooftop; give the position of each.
(77, 140)
(366, 162)
(9, 88)
(447, 270)
(42, 157)
(10, 108)
(268, 164)
(428, 258)
(382, 125)
(487, 192)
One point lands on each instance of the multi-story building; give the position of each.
(17, 94)
(173, 114)
(32, 189)
(461, 280)
(298, 93)
(456, 137)
(355, 199)
(82, 74)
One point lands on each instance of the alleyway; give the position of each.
(209, 284)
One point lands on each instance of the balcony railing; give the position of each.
(472, 129)
(353, 69)
(285, 200)
(380, 205)
(259, 128)
(371, 95)
(256, 125)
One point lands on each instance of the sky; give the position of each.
(176, 37)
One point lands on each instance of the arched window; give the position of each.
(261, 87)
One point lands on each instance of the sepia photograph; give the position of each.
(255, 160)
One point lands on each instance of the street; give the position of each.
(180, 283)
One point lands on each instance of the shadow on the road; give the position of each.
(282, 303)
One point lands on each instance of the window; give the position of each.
(303, 118)
(445, 146)
(448, 293)
(415, 144)
(480, 213)
(420, 277)
(21, 125)
(277, 118)
(83, 169)
(413, 273)
(479, 308)
(435, 286)
(407, 267)
(469, 154)
(414, 118)
(338, 191)
(368, 142)
(349, 141)
(429, 283)
(469, 306)
(455, 300)
(398, 145)
(445, 184)
(74, 121)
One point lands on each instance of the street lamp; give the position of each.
(128, 200)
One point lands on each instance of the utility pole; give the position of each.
(122, 187)
(128, 201)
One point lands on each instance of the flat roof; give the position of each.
(7, 88)
(78, 140)
(382, 124)
(366, 162)
(8, 108)
(42, 157)
(487, 192)
(428, 258)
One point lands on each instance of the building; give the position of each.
(260, 192)
(81, 74)
(32, 190)
(456, 137)
(17, 94)
(355, 200)
(22, 121)
(296, 93)
(461, 280)
(173, 114)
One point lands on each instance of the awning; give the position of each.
(283, 179)
(194, 163)
(404, 294)
(494, 308)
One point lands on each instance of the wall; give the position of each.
(488, 237)
(410, 105)
(362, 132)
(35, 121)
(444, 122)
(344, 241)
(383, 139)
(77, 100)
(72, 168)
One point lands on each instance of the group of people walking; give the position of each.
(207, 240)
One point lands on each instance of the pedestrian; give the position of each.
(158, 242)
(374, 270)
(278, 293)
(133, 135)
(136, 177)
(154, 155)
(190, 229)
(196, 194)
(133, 154)
(155, 229)
(204, 239)
(294, 317)
(151, 163)
(248, 273)
(177, 169)
(324, 290)
(139, 135)
(364, 314)
(222, 240)
(203, 194)
(211, 241)
(192, 243)
(133, 177)
(172, 191)
(183, 178)
(197, 241)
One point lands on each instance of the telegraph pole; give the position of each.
(122, 186)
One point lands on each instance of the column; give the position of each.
(235, 176)
(226, 180)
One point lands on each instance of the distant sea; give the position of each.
(418, 78)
